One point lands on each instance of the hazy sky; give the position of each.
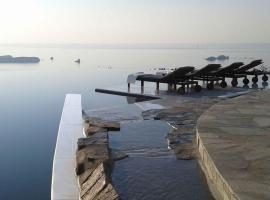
(134, 21)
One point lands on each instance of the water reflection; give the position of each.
(265, 84)
(255, 86)
(246, 86)
(151, 172)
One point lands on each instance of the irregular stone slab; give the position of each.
(108, 193)
(91, 130)
(90, 156)
(110, 126)
(94, 184)
(95, 125)
(185, 151)
(83, 177)
(98, 138)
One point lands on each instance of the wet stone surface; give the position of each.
(94, 125)
(94, 161)
(182, 119)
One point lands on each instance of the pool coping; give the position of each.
(223, 156)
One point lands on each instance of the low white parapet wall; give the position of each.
(64, 181)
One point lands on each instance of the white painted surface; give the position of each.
(132, 77)
(64, 181)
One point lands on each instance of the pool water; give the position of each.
(151, 171)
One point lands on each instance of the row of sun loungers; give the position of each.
(186, 76)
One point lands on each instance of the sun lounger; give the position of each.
(182, 76)
(197, 75)
(255, 72)
(225, 70)
(168, 78)
(243, 71)
(245, 68)
(219, 74)
(203, 73)
(235, 71)
(212, 72)
(176, 77)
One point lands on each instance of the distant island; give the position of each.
(11, 59)
(220, 58)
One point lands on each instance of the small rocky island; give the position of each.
(218, 58)
(11, 59)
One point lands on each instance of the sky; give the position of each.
(134, 21)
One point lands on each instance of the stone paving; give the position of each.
(236, 135)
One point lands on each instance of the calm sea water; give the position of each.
(32, 97)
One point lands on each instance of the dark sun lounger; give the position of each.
(202, 74)
(186, 76)
(235, 70)
(219, 74)
(225, 70)
(182, 76)
(245, 68)
(173, 78)
(203, 71)
(168, 78)
(243, 71)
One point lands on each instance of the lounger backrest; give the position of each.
(251, 65)
(205, 70)
(178, 73)
(230, 68)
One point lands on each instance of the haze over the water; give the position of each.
(134, 21)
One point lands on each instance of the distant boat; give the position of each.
(11, 59)
(78, 61)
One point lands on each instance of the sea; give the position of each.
(32, 96)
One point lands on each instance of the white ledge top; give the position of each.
(64, 181)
